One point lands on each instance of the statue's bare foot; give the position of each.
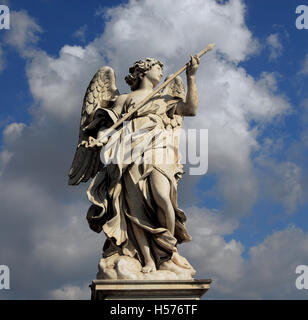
(149, 267)
(180, 261)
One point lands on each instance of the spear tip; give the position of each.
(206, 49)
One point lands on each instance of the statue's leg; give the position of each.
(136, 209)
(160, 187)
(149, 264)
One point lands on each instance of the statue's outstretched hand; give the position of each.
(101, 137)
(100, 141)
(193, 65)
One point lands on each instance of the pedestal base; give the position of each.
(149, 289)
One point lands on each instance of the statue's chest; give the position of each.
(156, 105)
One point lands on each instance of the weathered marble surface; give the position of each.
(135, 202)
(125, 267)
(149, 289)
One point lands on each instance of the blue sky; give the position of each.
(261, 197)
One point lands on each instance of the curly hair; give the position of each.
(140, 68)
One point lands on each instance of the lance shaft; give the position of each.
(163, 85)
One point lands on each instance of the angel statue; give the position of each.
(136, 170)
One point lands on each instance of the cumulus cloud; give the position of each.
(274, 46)
(171, 35)
(13, 131)
(267, 273)
(231, 100)
(290, 190)
(297, 152)
(44, 238)
(270, 271)
(23, 33)
(5, 157)
(81, 33)
(70, 293)
(208, 250)
(58, 84)
(54, 245)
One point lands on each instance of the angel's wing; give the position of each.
(101, 93)
(175, 88)
(176, 91)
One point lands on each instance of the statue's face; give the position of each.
(155, 74)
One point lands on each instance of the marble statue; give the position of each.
(133, 191)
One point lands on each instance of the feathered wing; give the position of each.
(175, 88)
(96, 112)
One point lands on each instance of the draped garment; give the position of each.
(121, 193)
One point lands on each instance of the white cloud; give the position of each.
(58, 84)
(47, 237)
(10, 134)
(208, 250)
(165, 29)
(270, 272)
(229, 100)
(68, 243)
(23, 33)
(274, 45)
(280, 181)
(298, 148)
(5, 157)
(267, 273)
(81, 33)
(13, 131)
(70, 292)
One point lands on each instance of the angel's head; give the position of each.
(140, 69)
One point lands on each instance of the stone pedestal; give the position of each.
(149, 289)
